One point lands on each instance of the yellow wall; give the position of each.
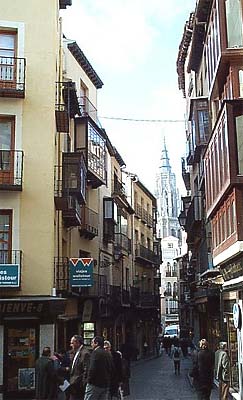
(38, 43)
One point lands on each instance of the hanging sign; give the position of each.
(237, 316)
(9, 275)
(81, 272)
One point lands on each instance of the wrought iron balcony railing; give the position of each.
(122, 243)
(12, 77)
(145, 254)
(118, 188)
(87, 108)
(89, 223)
(11, 169)
(11, 257)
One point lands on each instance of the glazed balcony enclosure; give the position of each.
(12, 77)
(70, 188)
(200, 130)
(194, 218)
(11, 170)
(224, 154)
(90, 140)
(223, 47)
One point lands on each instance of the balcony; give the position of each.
(144, 216)
(194, 216)
(10, 268)
(71, 211)
(67, 105)
(125, 297)
(62, 282)
(12, 77)
(90, 140)
(138, 210)
(145, 255)
(118, 188)
(87, 108)
(11, 170)
(64, 3)
(70, 180)
(148, 299)
(116, 296)
(89, 223)
(134, 295)
(200, 126)
(122, 245)
(185, 174)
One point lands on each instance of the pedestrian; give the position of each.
(100, 372)
(116, 378)
(222, 370)
(145, 347)
(203, 370)
(78, 369)
(176, 355)
(44, 369)
(126, 371)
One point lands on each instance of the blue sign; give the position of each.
(9, 275)
(81, 272)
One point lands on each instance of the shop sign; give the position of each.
(232, 270)
(237, 316)
(9, 275)
(81, 272)
(19, 307)
(31, 307)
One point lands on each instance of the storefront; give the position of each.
(232, 305)
(26, 326)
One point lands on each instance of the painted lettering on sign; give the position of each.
(26, 307)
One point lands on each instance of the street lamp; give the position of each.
(182, 219)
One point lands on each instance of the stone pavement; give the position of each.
(154, 379)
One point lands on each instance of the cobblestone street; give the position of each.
(154, 379)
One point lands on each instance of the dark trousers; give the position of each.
(177, 366)
(203, 394)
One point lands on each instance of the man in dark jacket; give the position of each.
(203, 370)
(100, 372)
(116, 378)
(79, 368)
(44, 369)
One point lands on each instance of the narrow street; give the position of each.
(154, 379)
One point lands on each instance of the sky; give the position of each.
(133, 47)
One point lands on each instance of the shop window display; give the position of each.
(233, 353)
(21, 351)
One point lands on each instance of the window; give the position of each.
(5, 236)
(170, 245)
(241, 82)
(168, 289)
(239, 127)
(7, 54)
(234, 23)
(6, 145)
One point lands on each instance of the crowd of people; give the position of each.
(78, 374)
(206, 365)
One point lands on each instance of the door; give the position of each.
(6, 151)
(5, 236)
(21, 346)
(7, 60)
